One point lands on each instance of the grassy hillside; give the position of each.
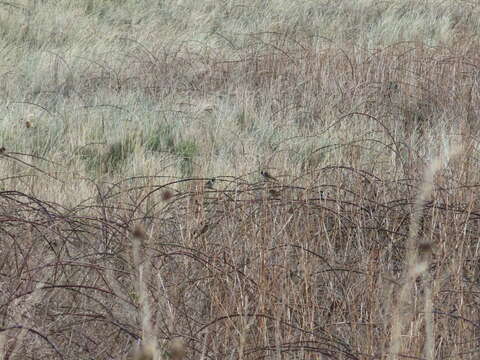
(134, 218)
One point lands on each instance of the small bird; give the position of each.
(267, 176)
(209, 184)
(274, 193)
(201, 230)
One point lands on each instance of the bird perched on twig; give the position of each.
(209, 184)
(274, 193)
(267, 176)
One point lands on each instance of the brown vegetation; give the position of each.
(365, 246)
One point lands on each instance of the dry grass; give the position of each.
(117, 114)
